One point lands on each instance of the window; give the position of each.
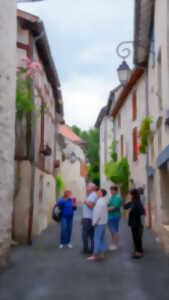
(159, 82)
(159, 140)
(152, 150)
(134, 105)
(135, 150)
(153, 48)
(122, 146)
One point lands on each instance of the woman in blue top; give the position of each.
(67, 211)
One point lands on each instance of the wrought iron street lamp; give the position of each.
(124, 73)
(123, 70)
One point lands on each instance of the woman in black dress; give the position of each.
(136, 210)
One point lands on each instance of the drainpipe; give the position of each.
(31, 209)
(147, 155)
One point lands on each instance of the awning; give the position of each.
(163, 158)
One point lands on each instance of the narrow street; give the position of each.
(45, 272)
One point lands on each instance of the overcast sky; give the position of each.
(83, 35)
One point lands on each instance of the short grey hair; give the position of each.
(91, 185)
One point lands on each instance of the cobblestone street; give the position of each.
(45, 272)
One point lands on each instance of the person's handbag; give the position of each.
(56, 214)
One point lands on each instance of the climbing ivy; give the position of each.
(60, 185)
(144, 133)
(118, 172)
(24, 88)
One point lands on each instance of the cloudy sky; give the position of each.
(83, 35)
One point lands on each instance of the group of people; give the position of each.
(98, 213)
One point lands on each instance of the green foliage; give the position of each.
(91, 137)
(144, 134)
(94, 173)
(76, 130)
(113, 153)
(60, 185)
(24, 98)
(118, 172)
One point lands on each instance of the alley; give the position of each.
(45, 272)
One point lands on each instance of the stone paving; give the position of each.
(44, 272)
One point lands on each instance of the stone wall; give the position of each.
(7, 121)
(106, 138)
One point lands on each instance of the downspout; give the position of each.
(147, 155)
(32, 192)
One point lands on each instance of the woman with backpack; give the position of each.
(136, 211)
(67, 206)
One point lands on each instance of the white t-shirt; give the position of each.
(100, 212)
(87, 211)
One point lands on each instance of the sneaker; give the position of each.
(91, 258)
(61, 246)
(113, 248)
(70, 246)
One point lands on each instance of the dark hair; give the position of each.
(97, 188)
(104, 193)
(114, 188)
(135, 195)
(141, 190)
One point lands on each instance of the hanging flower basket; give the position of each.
(57, 164)
(46, 150)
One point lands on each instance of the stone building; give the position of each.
(105, 125)
(128, 111)
(71, 158)
(35, 151)
(7, 122)
(152, 30)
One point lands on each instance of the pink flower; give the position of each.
(26, 59)
(29, 73)
(36, 66)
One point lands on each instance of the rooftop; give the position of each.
(65, 131)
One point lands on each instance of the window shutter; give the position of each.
(153, 48)
(119, 120)
(83, 170)
(135, 151)
(134, 105)
(122, 145)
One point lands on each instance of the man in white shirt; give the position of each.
(100, 218)
(88, 230)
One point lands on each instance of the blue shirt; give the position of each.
(66, 206)
(87, 211)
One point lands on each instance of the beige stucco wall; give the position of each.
(106, 138)
(23, 173)
(71, 171)
(159, 189)
(7, 119)
(137, 168)
(44, 200)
